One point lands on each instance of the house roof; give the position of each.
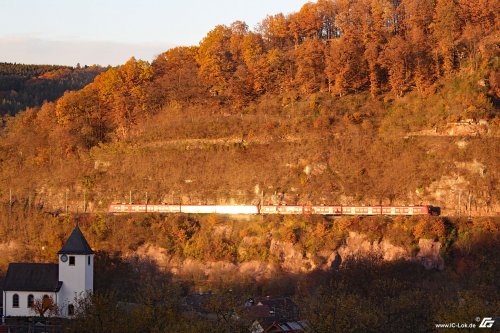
(268, 325)
(256, 312)
(76, 244)
(289, 326)
(270, 309)
(32, 277)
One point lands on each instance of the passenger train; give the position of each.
(277, 209)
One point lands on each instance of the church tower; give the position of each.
(76, 271)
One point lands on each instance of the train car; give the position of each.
(243, 209)
(408, 210)
(116, 208)
(326, 210)
(164, 208)
(216, 209)
(198, 209)
(133, 208)
(293, 210)
(386, 210)
(360, 210)
(130, 208)
(268, 210)
(285, 210)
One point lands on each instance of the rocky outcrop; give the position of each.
(429, 254)
(465, 128)
(284, 256)
(451, 193)
(358, 246)
(291, 259)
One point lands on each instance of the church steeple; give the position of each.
(76, 244)
(76, 271)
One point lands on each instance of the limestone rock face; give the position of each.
(358, 246)
(429, 255)
(290, 258)
(284, 256)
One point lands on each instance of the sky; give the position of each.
(109, 32)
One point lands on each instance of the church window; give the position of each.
(15, 301)
(31, 301)
(88, 260)
(72, 260)
(71, 310)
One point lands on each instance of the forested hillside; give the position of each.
(24, 86)
(366, 101)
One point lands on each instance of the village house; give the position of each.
(28, 284)
(271, 326)
(268, 315)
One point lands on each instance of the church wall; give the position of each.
(23, 310)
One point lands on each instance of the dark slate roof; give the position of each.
(32, 277)
(76, 244)
(277, 309)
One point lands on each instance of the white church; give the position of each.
(72, 277)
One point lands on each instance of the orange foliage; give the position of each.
(430, 228)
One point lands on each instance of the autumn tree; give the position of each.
(274, 72)
(120, 96)
(394, 18)
(274, 30)
(416, 28)
(397, 59)
(215, 60)
(327, 11)
(309, 21)
(130, 100)
(45, 306)
(83, 116)
(99, 313)
(375, 37)
(345, 66)
(224, 305)
(295, 28)
(176, 77)
(239, 30)
(310, 60)
(446, 30)
(479, 19)
(252, 48)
